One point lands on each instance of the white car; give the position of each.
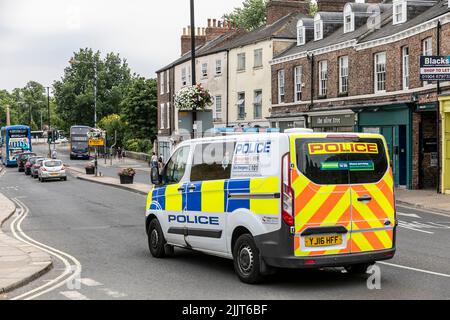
(52, 169)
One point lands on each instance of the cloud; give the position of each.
(37, 38)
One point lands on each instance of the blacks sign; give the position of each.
(435, 68)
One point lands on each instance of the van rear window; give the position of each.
(342, 161)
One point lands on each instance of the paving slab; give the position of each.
(424, 199)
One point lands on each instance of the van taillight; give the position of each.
(287, 194)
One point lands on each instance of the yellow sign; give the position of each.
(342, 147)
(96, 142)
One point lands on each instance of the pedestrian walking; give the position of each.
(160, 166)
(154, 161)
(54, 154)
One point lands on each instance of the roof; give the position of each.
(284, 28)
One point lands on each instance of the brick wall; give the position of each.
(276, 9)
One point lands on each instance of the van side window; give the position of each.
(212, 161)
(176, 166)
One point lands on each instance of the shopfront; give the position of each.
(288, 123)
(444, 107)
(394, 123)
(340, 121)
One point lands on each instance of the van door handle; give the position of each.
(192, 187)
(365, 199)
(181, 189)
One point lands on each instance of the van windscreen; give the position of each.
(342, 161)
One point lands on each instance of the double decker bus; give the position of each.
(15, 140)
(79, 147)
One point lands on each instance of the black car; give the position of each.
(22, 159)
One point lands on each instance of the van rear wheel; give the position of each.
(246, 260)
(156, 241)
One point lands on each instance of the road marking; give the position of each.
(74, 295)
(114, 294)
(72, 269)
(411, 215)
(415, 269)
(424, 210)
(90, 282)
(402, 224)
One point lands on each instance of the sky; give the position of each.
(38, 37)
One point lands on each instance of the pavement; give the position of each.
(20, 263)
(424, 199)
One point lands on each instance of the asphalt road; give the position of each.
(63, 154)
(103, 229)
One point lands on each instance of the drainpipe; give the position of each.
(228, 86)
(438, 89)
(310, 57)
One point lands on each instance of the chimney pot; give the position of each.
(214, 23)
(209, 23)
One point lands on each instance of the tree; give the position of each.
(74, 93)
(140, 108)
(113, 124)
(312, 7)
(251, 16)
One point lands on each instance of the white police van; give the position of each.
(277, 200)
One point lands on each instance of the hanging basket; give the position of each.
(193, 98)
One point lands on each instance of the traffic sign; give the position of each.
(99, 142)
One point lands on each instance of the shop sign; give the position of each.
(435, 68)
(341, 120)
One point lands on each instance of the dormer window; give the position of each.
(300, 33)
(349, 19)
(399, 11)
(318, 28)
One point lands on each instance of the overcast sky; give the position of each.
(38, 37)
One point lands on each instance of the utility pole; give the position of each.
(49, 122)
(193, 71)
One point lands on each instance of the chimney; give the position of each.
(277, 9)
(217, 29)
(214, 23)
(336, 5)
(200, 39)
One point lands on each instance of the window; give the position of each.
(241, 62)
(257, 105)
(204, 69)
(323, 78)
(168, 81)
(189, 75)
(218, 109)
(258, 58)
(298, 83)
(405, 68)
(241, 106)
(168, 115)
(300, 33)
(348, 19)
(212, 161)
(427, 47)
(343, 74)
(162, 116)
(183, 77)
(176, 166)
(161, 82)
(218, 67)
(399, 11)
(380, 72)
(281, 84)
(318, 28)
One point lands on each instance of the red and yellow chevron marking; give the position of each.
(373, 215)
(330, 205)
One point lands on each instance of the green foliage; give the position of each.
(111, 124)
(312, 7)
(74, 93)
(251, 16)
(139, 145)
(140, 110)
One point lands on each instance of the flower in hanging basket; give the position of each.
(193, 97)
(129, 172)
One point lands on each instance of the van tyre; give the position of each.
(246, 260)
(358, 268)
(156, 241)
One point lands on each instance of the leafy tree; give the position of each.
(113, 124)
(140, 109)
(312, 7)
(74, 93)
(251, 16)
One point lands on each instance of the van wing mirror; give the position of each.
(155, 177)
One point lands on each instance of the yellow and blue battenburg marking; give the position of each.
(213, 196)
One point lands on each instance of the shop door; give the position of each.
(388, 133)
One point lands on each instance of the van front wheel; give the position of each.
(247, 260)
(156, 239)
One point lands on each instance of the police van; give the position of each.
(297, 199)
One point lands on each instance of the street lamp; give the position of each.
(194, 110)
(49, 123)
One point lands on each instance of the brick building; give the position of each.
(356, 67)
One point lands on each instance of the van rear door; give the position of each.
(344, 194)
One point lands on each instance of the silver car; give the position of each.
(52, 169)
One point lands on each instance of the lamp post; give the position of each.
(193, 71)
(49, 122)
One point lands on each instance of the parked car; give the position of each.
(35, 168)
(31, 161)
(52, 169)
(22, 159)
